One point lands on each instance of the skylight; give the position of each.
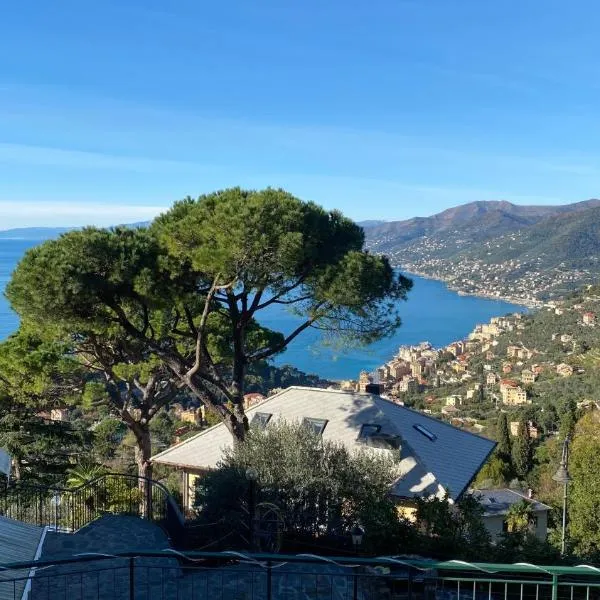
(316, 425)
(424, 431)
(367, 430)
(260, 420)
(385, 441)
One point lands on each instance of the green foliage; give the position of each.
(519, 517)
(584, 500)
(522, 451)
(504, 448)
(320, 487)
(84, 472)
(495, 473)
(35, 376)
(108, 434)
(452, 531)
(183, 298)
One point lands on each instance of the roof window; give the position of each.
(367, 430)
(424, 431)
(260, 420)
(315, 425)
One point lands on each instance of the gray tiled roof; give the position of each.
(428, 466)
(18, 543)
(498, 502)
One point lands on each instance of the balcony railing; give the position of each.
(70, 509)
(236, 576)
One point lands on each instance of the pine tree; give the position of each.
(522, 451)
(503, 438)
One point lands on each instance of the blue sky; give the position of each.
(111, 110)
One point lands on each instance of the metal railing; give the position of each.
(70, 509)
(235, 576)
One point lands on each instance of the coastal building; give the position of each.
(191, 415)
(252, 398)
(491, 379)
(497, 504)
(528, 377)
(511, 393)
(564, 370)
(399, 368)
(364, 380)
(59, 414)
(455, 400)
(589, 318)
(434, 458)
(408, 385)
(416, 368)
(532, 429)
(348, 385)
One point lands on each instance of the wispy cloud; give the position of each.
(59, 157)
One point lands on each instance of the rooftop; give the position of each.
(434, 456)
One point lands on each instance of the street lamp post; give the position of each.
(562, 476)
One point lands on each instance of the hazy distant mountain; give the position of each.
(476, 220)
(46, 233)
(33, 233)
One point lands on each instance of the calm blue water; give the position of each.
(433, 313)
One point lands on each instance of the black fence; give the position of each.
(70, 509)
(228, 576)
(237, 576)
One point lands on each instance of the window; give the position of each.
(385, 441)
(424, 431)
(316, 425)
(260, 420)
(367, 430)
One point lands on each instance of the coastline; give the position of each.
(529, 304)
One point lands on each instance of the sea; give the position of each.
(432, 313)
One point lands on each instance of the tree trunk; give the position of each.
(143, 452)
(16, 468)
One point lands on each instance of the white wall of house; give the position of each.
(495, 525)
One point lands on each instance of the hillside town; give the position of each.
(505, 365)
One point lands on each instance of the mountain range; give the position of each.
(525, 253)
(476, 220)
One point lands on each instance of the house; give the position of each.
(589, 318)
(497, 504)
(511, 393)
(416, 368)
(491, 379)
(364, 380)
(565, 338)
(528, 377)
(59, 414)
(433, 455)
(408, 384)
(506, 368)
(252, 398)
(454, 400)
(564, 370)
(191, 415)
(534, 432)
